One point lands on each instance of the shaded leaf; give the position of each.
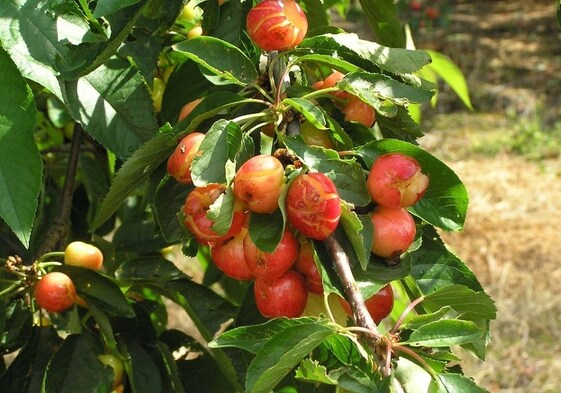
(98, 289)
(118, 110)
(384, 21)
(75, 367)
(134, 171)
(453, 383)
(21, 167)
(106, 7)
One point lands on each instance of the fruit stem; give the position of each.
(54, 254)
(58, 229)
(328, 307)
(342, 264)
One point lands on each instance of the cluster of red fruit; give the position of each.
(55, 291)
(284, 276)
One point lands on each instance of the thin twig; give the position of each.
(59, 226)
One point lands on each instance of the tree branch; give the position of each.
(59, 226)
(361, 315)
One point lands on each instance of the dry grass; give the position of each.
(512, 242)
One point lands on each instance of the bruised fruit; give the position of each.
(195, 211)
(395, 180)
(276, 24)
(259, 183)
(179, 162)
(313, 205)
(270, 265)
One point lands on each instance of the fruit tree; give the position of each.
(272, 151)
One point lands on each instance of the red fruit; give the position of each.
(269, 266)
(188, 108)
(314, 136)
(331, 81)
(359, 111)
(284, 297)
(179, 162)
(395, 180)
(306, 265)
(432, 13)
(259, 183)
(313, 205)
(55, 292)
(195, 211)
(277, 24)
(415, 5)
(229, 257)
(394, 231)
(379, 306)
(83, 254)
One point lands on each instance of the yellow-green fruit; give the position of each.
(195, 32)
(158, 87)
(187, 13)
(116, 364)
(314, 136)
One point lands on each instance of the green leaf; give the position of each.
(142, 371)
(445, 333)
(75, 367)
(445, 201)
(220, 144)
(106, 7)
(470, 304)
(366, 54)
(231, 25)
(91, 50)
(222, 212)
(400, 126)
(221, 58)
(453, 383)
(313, 372)
(253, 338)
(118, 110)
(25, 373)
(17, 326)
(446, 69)
(346, 174)
(282, 353)
(333, 62)
(134, 171)
(374, 88)
(169, 199)
(149, 268)
(417, 321)
(99, 290)
(383, 20)
(21, 167)
(27, 32)
(360, 234)
(310, 110)
(412, 377)
(266, 230)
(433, 266)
